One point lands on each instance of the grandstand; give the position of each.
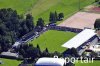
(86, 37)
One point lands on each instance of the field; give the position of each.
(81, 20)
(53, 40)
(9, 62)
(22, 6)
(42, 8)
(95, 63)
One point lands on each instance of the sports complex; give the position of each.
(76, 30)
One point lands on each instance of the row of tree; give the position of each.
(30, 53)
(54, 17)
(14, 26)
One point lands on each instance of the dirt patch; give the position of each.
(81, 20)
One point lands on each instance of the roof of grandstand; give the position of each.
(79, 39)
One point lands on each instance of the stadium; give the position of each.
(32, 31)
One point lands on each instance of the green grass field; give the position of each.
(95, 63)
(42, 8)
(53, 40)
(22, 6)
(9, 62)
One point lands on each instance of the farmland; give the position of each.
(22, 6)
(53, 40)
(42, 8)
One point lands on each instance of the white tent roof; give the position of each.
(50, 61)
(80, 38)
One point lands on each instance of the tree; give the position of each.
(52, 17)
(40, 23)
(46, 50)
(96, 0)
(57, 54)
(45, 53)
(56, 16)
(60, 16)
(74, 52)
(2, 29)
(29, 51)
(29, 22)
(38, 46)
(70, 64)
(71, 52)
(97, 24)
(13, 27)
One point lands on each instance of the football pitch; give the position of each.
(53, 40)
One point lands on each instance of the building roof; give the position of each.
(50, 61)
(79, 39)
(9, 54)
(16, 44)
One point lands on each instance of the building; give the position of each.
(82, 40)
(50, 62)
(9, 55)
(96, 49)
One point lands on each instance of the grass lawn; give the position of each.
(53, 40)
(95, 63)
(9, 62)
(44, 7)
(22, 6)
